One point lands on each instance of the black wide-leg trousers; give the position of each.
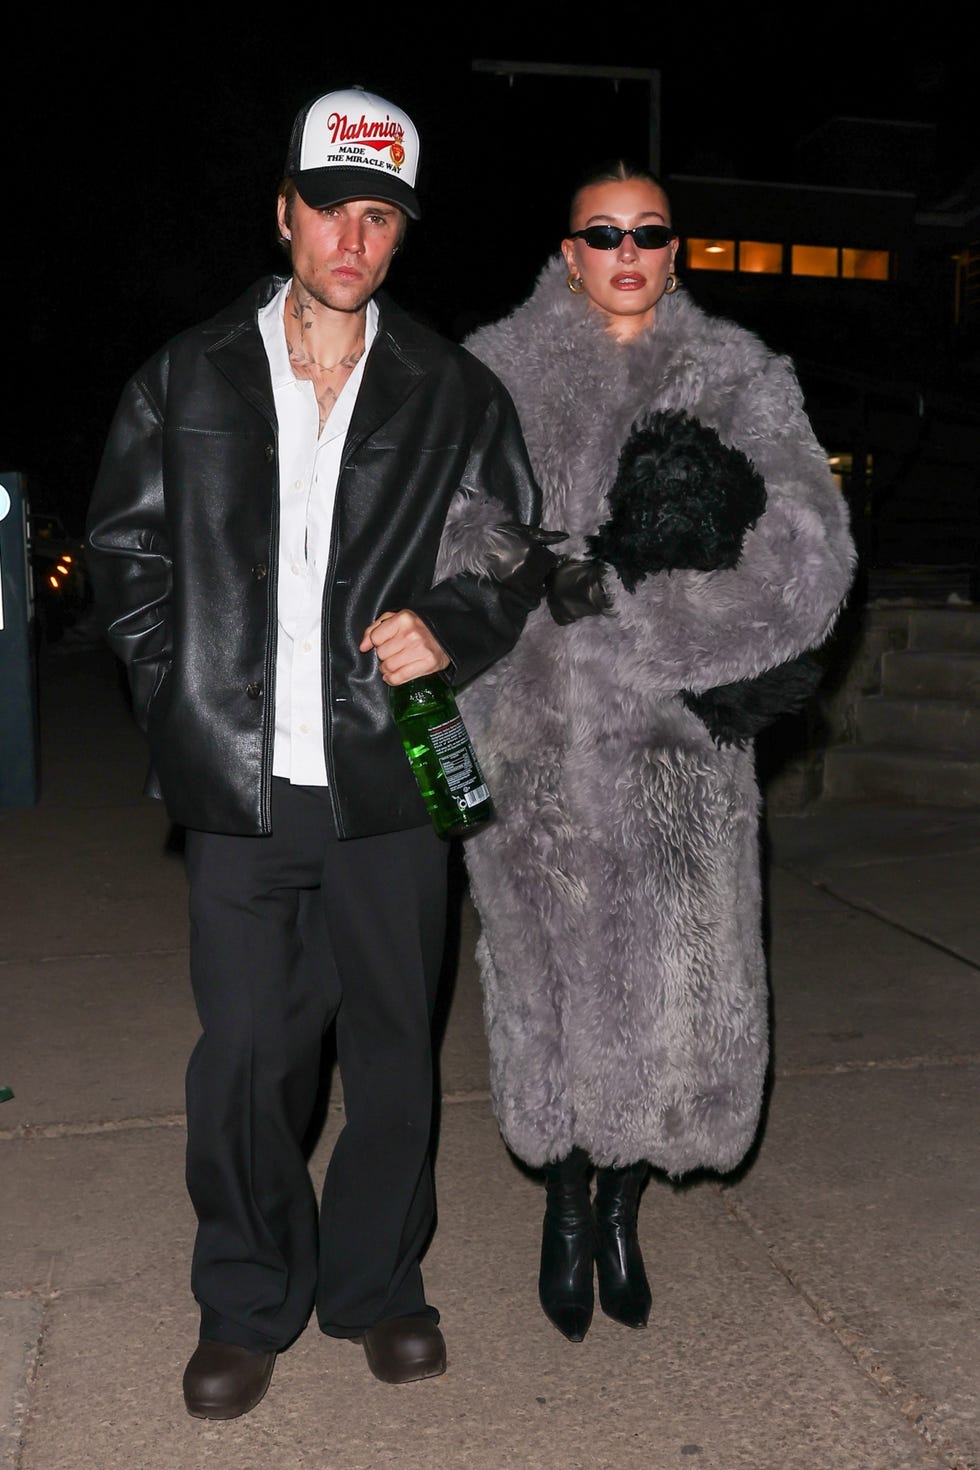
(289, 933)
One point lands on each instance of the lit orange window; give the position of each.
(711, 255)
(842, 468)
(814, 260)
(760, 257)
(864, 265)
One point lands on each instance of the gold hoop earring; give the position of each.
(575, 284)
(670, 285)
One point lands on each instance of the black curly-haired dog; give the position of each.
(682, 498)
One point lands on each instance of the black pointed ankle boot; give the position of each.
(624, 1292)
(565, 1283)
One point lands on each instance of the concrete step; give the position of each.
(917, 739)
(900, 581)
(952, 629)
(938, 545)
(880, 773)
(932, 674)
(933, 726)
(947, 485)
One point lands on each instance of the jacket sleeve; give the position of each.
(475, 608)
(127, 545)
(693, 630)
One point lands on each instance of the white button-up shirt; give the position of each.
(309, 464)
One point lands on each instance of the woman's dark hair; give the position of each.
(614, 171)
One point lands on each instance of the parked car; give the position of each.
(62, 590)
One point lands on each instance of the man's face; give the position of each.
(341, 253)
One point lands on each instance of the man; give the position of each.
(272, 538)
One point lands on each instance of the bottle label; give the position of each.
(443, 761)
(451, 744)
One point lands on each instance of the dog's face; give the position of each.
(681, 498)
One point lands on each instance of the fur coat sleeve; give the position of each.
(696, 629)
(579, 394)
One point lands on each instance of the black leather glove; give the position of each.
(575, 589)
(521, 557)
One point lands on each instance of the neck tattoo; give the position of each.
(298, 322)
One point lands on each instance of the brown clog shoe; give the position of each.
(404, 1349)
(223, 1381)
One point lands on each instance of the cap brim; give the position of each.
(321, 187)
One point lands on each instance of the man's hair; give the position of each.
(614, 171)
(289, 193)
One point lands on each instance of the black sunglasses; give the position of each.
(610, 237)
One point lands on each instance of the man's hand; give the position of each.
(406, 648)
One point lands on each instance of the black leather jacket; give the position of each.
(182, 544)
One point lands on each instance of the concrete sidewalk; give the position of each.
(818, 1311)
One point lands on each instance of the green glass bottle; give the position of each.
(441, 755)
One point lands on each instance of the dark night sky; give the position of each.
(146, 165)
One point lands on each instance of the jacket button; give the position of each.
(254, 691)
(270, 452)
(259, 571)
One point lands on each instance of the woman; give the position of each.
(618, 891)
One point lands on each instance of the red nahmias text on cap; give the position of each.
(375, 134)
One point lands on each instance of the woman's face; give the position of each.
(625, 283)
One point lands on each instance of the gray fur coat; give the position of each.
(618, 891)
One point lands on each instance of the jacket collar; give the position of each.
(237, 348)
(397, 364)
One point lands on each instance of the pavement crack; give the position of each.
(166, 952)
(824, 886)
(76, 1130)
(880, 1064)
(918, 1412)
(20, 1415)
(163, 1120)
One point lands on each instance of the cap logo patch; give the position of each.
(375, 134)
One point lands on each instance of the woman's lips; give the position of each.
(629, 281)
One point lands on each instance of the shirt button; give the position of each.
(297, 484)
(304, 728)
(307, 646)
(295, 569)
